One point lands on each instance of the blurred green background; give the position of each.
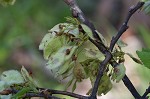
(23, 25)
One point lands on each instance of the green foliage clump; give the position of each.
(71, 55)
(20, 81)
(7, 2)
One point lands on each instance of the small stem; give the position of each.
(65, 93)
(146, 93)
(124, 26)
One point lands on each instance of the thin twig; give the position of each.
(28, 94)
(124, 26)
(65, 93)
(146, 93)
(76, 12)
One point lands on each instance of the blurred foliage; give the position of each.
(22, 27)
(144, 34)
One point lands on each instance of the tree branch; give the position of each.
(28, 95)
(43, 92)
(78, 13)
(124, 26)
(64, 93)
(146, 93)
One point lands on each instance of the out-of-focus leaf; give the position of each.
(144, 56)
(144, 34)
(5, 96)
(12, 77)
(145, 50)
(146, 7)
(2, 85)
(7, 2)
(134, 59)
(4, 53)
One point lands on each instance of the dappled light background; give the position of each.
(23, 25)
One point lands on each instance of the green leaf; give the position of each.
(52, 47)
(65, 67)
(105, 85)
(7, 2)
(21, 93)
(2, 85)
(32, 84)
(134, 59)
(5, 96)
(102, 38)
(119, 72)
(144, 56)
(65, 28)
(146, 7)
(60, 57)
(12, 77)
(47, 38)
(145, 50)
(88, 31)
